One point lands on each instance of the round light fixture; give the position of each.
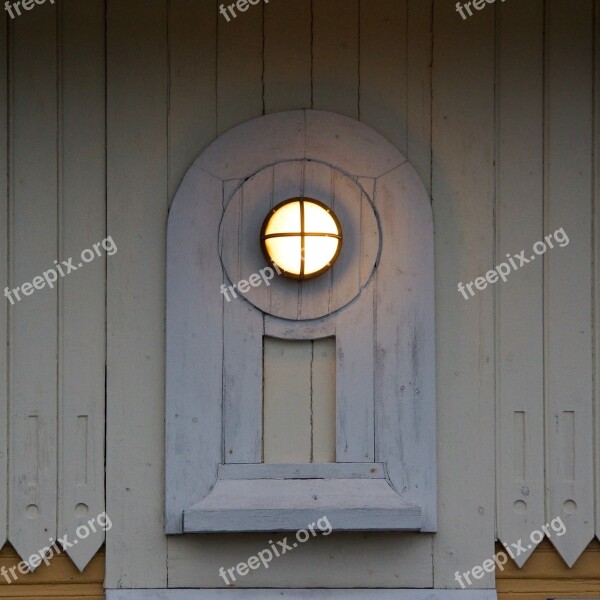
(302, 236)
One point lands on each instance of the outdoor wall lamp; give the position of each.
(302, 236)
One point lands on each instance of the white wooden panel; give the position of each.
(404, 362)
(4, 281)
(302, 594)
(299, 330)
(192, 83)
(347, 277)
(33, 324)
(519, 222)
(281, 138)
(370, 560)
(235, 505)
(347, 142)
(323, 394)
(243, 327)
(288, 182)
(315, 296)
(355, 439)
(463, 148)
(239, 68)
(305, 471)
(333, 139)
(287, 401)
(384, 82)
(355, 362)
(82, 349)
(567, 273)
(194, 387)
(596, 274)
(419, 56)
(287, 55)
(256, 201)
(240, 232)
(137, 186)
(335, 56)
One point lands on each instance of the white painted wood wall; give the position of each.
(107, 103)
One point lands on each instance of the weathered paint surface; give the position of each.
(505, 152)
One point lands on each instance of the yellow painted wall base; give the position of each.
(61, 579)
(545, 575)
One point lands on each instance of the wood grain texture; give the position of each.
(596, 249)
(60, 579)
(382, 560)
(192, 84)
(404, 349)
(463, 191)
(355, 381)
(4, 270)
(137, 184)
(384, 68)
(82, 318)
(306, 471)
(304, 594)
(323, 392)
(567, 301)
(194, 445)
(335, 56)
(406, 203)
(240, 85)
(287, 55)
(519, 223)
(419, 88)
(287, 409)
(252, 505)
(546, 575)
(33, 324)
(243, 323)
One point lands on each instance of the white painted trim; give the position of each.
(307, 471)
(390, 419)
(291, 504)
(316, 594)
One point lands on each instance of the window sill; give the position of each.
(254, 498)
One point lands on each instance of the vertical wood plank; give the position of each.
(4, 245)
(288, 182)
(33, 326)
(383, 68)
(519, 224)
(404, 362)
(355, 431)
(323, 400)
(318, 182)
(463, 192)
(567, 304)
(355, 381)
(418, 102)
(596, 274)
(335, 56)
(240, 68)
(243, 330)
(287, 401)
(287, 55)
(82, 345)
(137, 188)
(194, 344)
(192, 84)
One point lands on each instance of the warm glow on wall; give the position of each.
(302, 237)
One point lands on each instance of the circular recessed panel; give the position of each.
(262, 224)
(302, 236)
